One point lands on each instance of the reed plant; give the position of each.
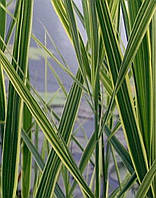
(118, 80)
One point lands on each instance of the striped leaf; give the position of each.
(153, 143)
(2, 87)
(26, 155)
(11, 146)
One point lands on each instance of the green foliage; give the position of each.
(118, 83)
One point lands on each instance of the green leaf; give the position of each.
(153, 44)
(2, 85)
(11, 146)
(26, 155)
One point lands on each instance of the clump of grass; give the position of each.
(104, 76)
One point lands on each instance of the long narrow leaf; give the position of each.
(2, 87)
(153, 43)
(11, 146)
(26, 155)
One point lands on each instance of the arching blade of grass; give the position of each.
(53, 164)
(123, 99)
(11, 145)
(55, 140)
(2, 86)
